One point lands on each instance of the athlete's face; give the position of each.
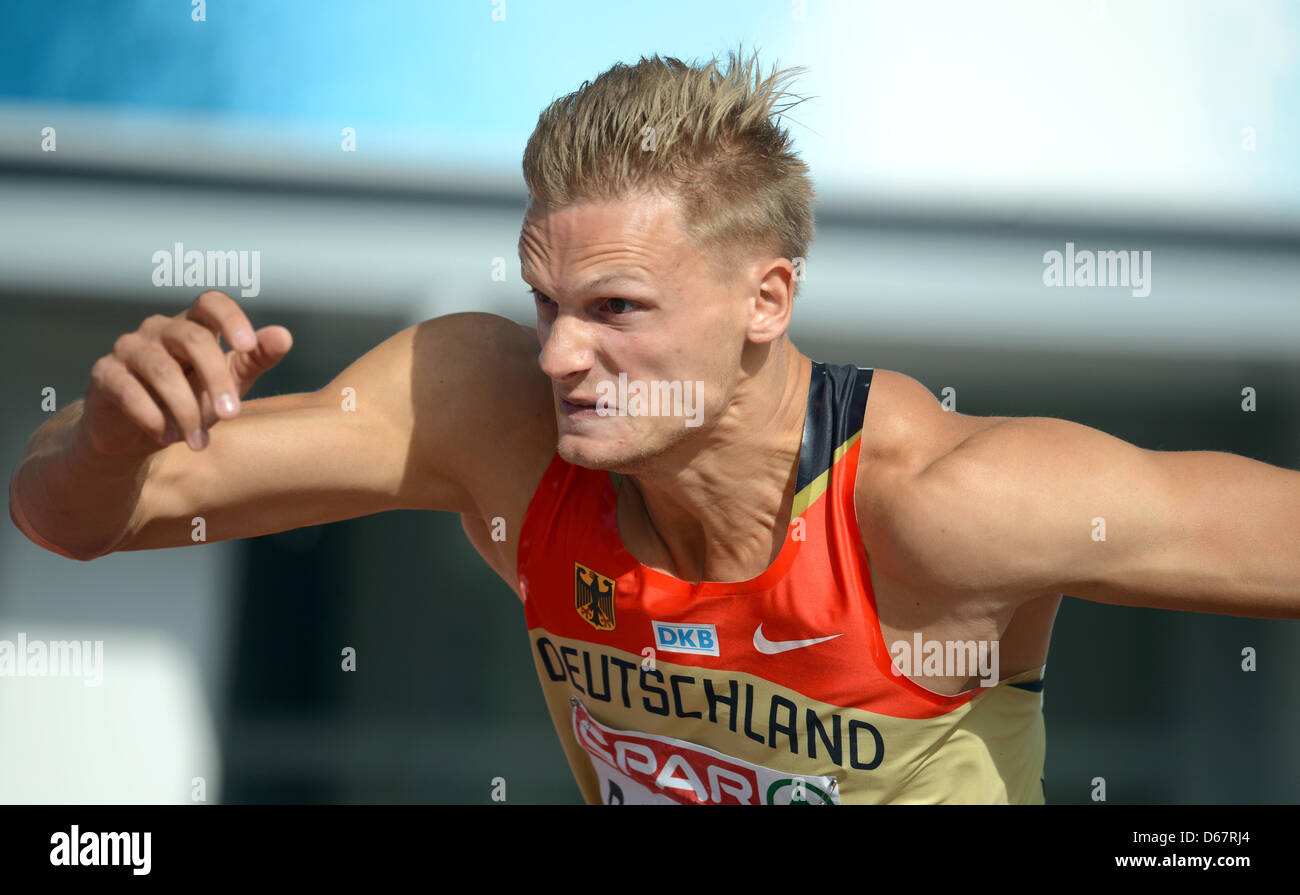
(620, 290)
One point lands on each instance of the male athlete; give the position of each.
(747, 577)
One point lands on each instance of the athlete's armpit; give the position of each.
(1037, 504)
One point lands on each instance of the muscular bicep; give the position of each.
(1021, 506)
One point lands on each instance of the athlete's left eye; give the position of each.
(623, 303)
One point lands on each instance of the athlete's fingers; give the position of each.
(222, 314)
(273, 343)
(196, 345)
(126, 391)
(159, 371)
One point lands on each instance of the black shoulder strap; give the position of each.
(837, 403)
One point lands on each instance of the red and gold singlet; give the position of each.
(775, 690)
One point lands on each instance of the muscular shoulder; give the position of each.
(483, 356)
(478, 392)
(906, 430)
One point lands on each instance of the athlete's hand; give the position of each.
(170, 379)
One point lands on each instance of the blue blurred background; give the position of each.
(952, 145)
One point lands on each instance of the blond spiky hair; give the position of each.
(704, 136)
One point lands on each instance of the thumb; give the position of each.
(273, 343)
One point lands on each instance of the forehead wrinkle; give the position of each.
(634, 270)
(613, 276)
(605, 279)
(634, 254)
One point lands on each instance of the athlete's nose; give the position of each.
(566, 349)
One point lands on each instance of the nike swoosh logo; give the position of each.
(772, 647)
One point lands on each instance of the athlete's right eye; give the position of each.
(539, 297)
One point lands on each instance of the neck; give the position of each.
(720, 513)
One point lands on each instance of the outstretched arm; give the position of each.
(414, 431)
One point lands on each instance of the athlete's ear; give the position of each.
(772, 300)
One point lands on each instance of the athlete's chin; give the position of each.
(622, 453)
(592, 453)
